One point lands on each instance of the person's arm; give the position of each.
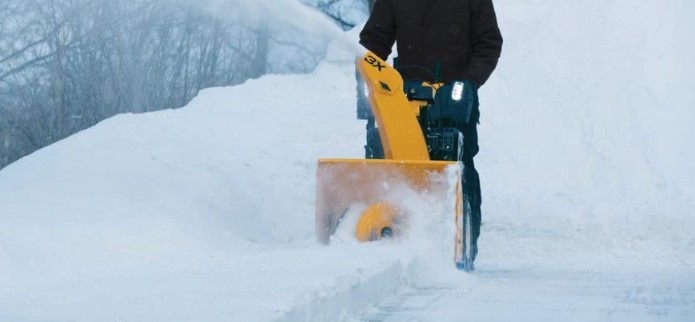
(486, 41)
(379, 34)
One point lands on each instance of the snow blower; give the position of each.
(409, 127)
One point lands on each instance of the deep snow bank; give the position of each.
(586, 131)
(185, 206)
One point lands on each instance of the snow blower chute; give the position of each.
(410, 131)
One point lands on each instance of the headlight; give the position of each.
(457, 91)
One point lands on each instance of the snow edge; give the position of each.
(352, 300)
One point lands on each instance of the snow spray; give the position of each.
(432, 231)
(428, 232)
(282, 14)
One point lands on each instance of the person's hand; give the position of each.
(455, 102)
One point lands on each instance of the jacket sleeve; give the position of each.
(379, 34)
(486, 41)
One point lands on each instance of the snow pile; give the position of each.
(586, 132)
(204, 189)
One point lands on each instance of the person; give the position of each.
(448, 40)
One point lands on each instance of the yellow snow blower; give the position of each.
(411, 134)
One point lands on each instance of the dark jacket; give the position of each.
(455, 39)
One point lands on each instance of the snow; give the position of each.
(206, 213)
(163, 205)
(546, 294)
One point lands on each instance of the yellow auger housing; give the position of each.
(376, 185)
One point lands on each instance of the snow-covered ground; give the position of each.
(205, 213)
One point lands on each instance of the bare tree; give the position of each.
(65, 65)
(335, 10)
